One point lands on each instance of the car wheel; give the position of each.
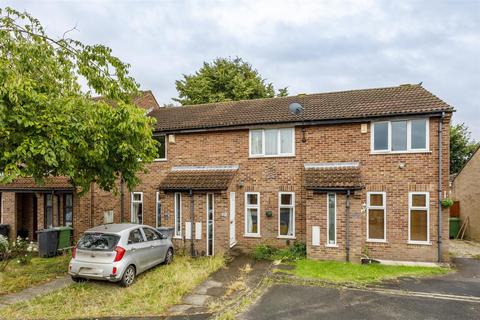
(77, 279)
(169, 256)
(128, 276)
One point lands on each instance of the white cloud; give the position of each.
(309, 46)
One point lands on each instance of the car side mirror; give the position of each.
(163, 236)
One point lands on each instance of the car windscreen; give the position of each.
(98, 241)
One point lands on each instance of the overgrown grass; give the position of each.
(152, 293)
(294, 252)
(342, 272)
(18, 277)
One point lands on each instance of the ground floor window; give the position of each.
(210, 223)
(331, 219)
(68, 209)
(178, 214)
(158, 211)
(252, 214)
(137, 207)
(48, 200)
(376, 216)
(286, 214)
(418, 217)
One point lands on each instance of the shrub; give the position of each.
(294, 252)
(22, 251)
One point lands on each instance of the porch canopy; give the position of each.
(28, 185)
(331, 176)
(198, 178)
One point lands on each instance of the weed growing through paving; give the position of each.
(294, 252)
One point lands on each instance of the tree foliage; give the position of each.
(462, 146)
(224, 80)
(49, 126)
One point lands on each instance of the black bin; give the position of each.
(4, 229)
(166, 231)
(47, 242)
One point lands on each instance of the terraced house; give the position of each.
(344, 172)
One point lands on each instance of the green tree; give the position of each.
(461, 146)
(49, 126)
(224, 80)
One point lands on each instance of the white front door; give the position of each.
(233, 240)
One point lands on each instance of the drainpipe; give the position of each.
(440, 188)
(122, 199)
(347, 226)
(192, 217)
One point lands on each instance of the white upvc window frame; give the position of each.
(157, 203)
(279, 154)
(132, 197)
(166, 143)
(289, 206)
(175, 212)
(327, 244)
(384, 208)
(207, 202)
(427, 208)
(409, 137)
(252, 206)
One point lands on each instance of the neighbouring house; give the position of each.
(350, 172)
(466, 190)
(27, 207)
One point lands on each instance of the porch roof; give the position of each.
(205, 178)
(28, 184)
(333, 176)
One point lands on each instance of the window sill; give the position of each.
(287, 237)
(252, 236)
(177, 237)
(159, 160)
(400, 152)
(272, 156)
(331, 245)
(421, 243)
(376, 241)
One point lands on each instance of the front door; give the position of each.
(210, 225)
(233, 240)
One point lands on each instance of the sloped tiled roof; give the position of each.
(198, 179)
(401, 100)
(145, 100)
(51, 183)
(326, 176)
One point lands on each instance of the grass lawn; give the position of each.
(152, 293)
(17, 277)
(342, 272)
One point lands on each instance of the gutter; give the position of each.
(440, 188)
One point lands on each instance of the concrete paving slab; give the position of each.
(196, 299)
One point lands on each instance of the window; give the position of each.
(178, 214)
(376, 216)
(97, 241)
(418, 217)
(161, 147)
(210, 222)
(286, 214)
(150, 234)
(68, 209)
(272, 142)
(158, 211)
(331, 219)
(137, 207)
(135, 237)
(252, 214)
(48, 210)
(400, 136)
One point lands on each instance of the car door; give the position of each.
(155, 250)
(139, 249)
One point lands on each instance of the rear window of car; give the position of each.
(98, 241)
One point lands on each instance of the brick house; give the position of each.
(465, 190)
(352, 171)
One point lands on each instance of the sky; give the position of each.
(307, 46)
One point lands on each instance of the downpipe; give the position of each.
(440, 188)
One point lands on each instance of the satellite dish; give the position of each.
(295, 108)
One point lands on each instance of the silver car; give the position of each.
(119, 252)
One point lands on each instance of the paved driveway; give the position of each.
(455, 296)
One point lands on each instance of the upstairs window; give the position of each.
(400, 136)
(161, 147)
(272, 142)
